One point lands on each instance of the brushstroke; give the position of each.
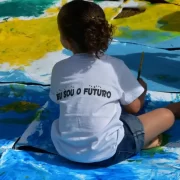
(17, 8)
(24, 41)
(19, 107)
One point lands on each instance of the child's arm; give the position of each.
(138, 103)
(132, 92)
(143, 95)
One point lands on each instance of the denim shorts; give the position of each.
(131, 144)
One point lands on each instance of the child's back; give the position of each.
(91, 89)
(88, 90)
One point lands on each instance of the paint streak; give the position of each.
(177, 2)
(52, 10)
(148, 21)
(153, 151)
(2, 173)
(23, 41)
(20, 92)
(170, 22)
(111, 13)
(55, 10)
(16, 8)
(167, 78)
(136, 161)
(19, 107)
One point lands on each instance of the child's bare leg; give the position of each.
(158, 121)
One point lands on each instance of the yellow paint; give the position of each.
(19, 107)
(126, 1)
(111, 13)
(23, 41)
(52, 10)
(148, 19)
(63, 2)
(173, 1)
(55, 10)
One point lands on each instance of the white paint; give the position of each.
(134, 4)
(112, 4)
(80, 176)
(33, 127)
(172, 150)
(162, 96)
(44, 66)
(39, 70)
(7, 146)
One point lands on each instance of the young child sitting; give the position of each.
(92, 89)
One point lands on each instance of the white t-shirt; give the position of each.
(89, 92)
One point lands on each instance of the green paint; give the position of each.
(151, 36)
(39, 115)
(36, 117)
(153, 151)
(96, 1)
(17, 8)
(167, 78)
(19, 107)
(158, 150)
(18, 91)
(177, 99)
(136, 161)
(161, 77)
(170, 22)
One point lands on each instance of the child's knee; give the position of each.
(175, 109)
(167, 115)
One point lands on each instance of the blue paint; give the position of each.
(67, 52)
(53, 167)
(160, 68)
(15, 122)
(43, 166)
(15, 76)
(27, 165)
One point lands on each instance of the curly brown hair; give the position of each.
(85, 23)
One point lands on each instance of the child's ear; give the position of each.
(65, 42)
(69, 44)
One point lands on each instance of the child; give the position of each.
(92, 88)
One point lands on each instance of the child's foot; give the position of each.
(154, 143)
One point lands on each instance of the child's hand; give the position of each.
(143, 84)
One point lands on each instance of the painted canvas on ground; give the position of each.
(159, 163)
(29, 47)
(29, 38)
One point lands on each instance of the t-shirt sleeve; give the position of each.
(130, 87)
(53, 87)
